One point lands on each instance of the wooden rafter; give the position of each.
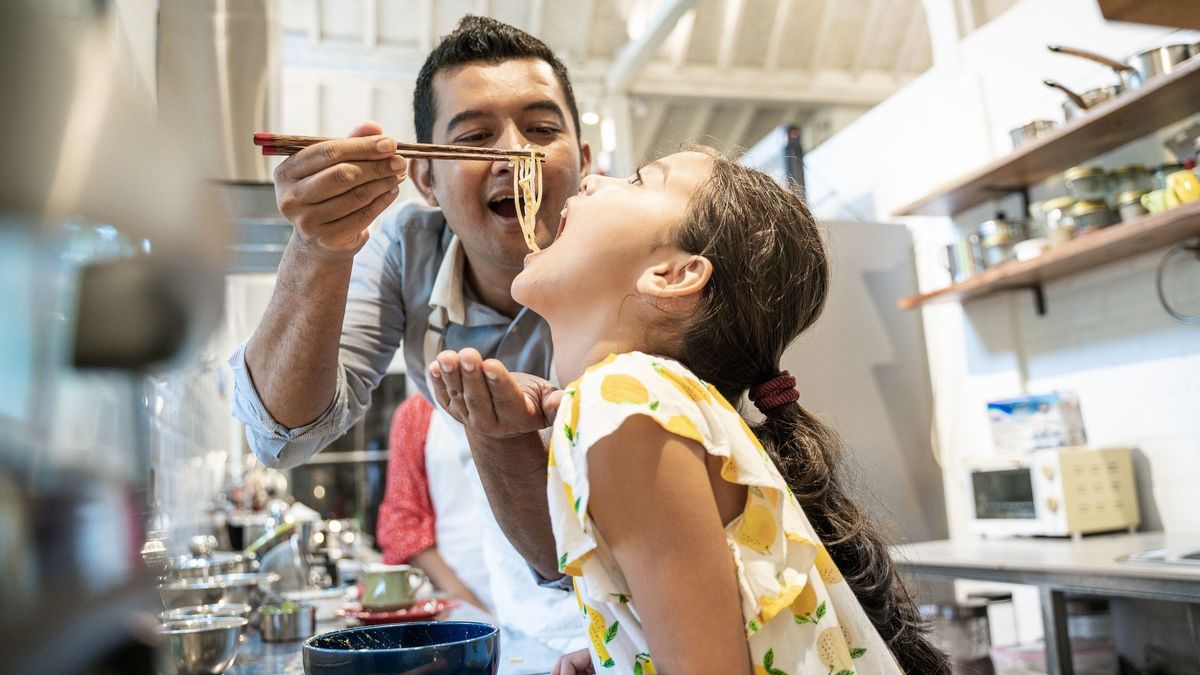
(779, 29)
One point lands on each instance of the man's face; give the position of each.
(505, 105)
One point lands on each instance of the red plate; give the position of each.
(422, 611)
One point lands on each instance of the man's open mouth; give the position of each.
(505, 207)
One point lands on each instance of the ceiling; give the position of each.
(722, 72)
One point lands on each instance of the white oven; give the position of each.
(1054, 492)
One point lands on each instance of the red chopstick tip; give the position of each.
(271, 150)
(263, 138)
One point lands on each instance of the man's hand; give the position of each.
(332, 191)
(488, 399)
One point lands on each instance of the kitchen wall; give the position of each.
(1137, 372)
(1104, 336)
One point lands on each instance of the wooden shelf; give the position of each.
(1173, 13)
(1131, 115)
(1091, 250)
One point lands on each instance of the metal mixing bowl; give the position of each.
(203, 646)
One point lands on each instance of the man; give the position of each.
(431, 277)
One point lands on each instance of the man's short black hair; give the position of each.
(476, 39)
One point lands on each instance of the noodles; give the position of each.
(527, 194)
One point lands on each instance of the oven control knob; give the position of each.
(1052, 504)
(1048, 471)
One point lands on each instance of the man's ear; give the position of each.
(585, 158)
(683, 276)
(420, 172)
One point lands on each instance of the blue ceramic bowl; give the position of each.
(425, 647)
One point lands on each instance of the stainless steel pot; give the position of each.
(1031, 131)
(244, 588)
(1140, 68)
(1129, 77)
(1077, 104)
(204, 561)
(288, 622)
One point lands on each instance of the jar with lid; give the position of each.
(1130, 179)
(1129, 205)
(1162, 171)
(998, 238)
(1087, 183)
(1091, 215)
(1059, 226)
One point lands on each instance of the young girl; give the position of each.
(696, 543)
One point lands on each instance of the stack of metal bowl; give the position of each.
(205, 645)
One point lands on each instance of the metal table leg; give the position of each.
(1058, 643)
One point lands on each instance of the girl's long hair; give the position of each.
(769, 283)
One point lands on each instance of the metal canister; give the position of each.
(288, 622)
(1056, 214)
(964, 258)
(1091, 215)
(998, 237)
(1087, 183)
(1129, 205)
(1130, 178)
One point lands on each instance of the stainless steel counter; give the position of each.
(519, 654)
(1091, 565)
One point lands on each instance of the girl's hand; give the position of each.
(575, 663)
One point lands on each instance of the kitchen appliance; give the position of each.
(1053, 493)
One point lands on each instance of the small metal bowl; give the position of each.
(288, 622)
(204, 645)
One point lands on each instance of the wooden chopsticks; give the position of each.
(281, 144)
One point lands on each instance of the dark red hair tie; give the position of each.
(777, 391)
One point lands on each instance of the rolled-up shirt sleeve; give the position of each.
(371, 332)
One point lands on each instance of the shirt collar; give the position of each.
(451, 293)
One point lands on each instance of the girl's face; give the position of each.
(614, 232)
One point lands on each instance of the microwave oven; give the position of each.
(1055, 492)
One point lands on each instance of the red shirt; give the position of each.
(406, 520)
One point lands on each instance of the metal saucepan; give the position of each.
(1031, 131)
(1142, 66)
(1077, 104)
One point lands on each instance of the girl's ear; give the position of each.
(421, 174)
(683, 276)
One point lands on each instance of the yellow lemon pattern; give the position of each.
(682, 425)
(828, 571)
(758, 528)
(799, 615)
(833, 651)
(601, 635)
(691, 388)
(623, 389)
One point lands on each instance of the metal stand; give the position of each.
(1058, 642)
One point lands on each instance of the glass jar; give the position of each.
(1130, 179)
(1091, 215)
(1162, 171)
(998, 238)
(1129, 205)
(1056, 214)
(1087, 183)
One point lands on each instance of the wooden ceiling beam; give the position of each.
(729, 32)
(871, 30)
(824, 27)
(756, 86)
(635, 55)
(779, 29)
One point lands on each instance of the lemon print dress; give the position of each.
(800, 615)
